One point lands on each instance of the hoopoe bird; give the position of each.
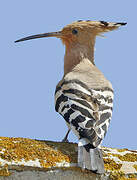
(84, 97)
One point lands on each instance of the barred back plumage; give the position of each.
(87, 111)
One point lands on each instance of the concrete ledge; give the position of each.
(22, 159)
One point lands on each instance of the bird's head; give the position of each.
(84, 32)
(78, 32)
(79, 39)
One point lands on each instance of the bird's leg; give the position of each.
(65, 139)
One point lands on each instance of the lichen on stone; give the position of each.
(23, 152)
(119, 175)
(111, 165)
(23, 149)
(135, 166)
(131, 157)
(122, 150)
(4, 171)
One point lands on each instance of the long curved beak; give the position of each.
(51, 34)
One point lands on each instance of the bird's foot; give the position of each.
(65, 140)
(66, 137)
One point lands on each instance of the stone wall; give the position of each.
(23, 159)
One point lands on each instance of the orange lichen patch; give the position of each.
(135, 166)
(122, 150)
(111, 165)
(18, 149)
(127, 178)
(132, 176)
(130, 157)
(119, 175)
(4, 171)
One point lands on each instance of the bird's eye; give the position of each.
(74, 31)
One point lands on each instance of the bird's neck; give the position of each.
(75, 54)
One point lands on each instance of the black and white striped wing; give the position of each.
(87, 111)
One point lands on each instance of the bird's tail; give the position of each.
(89, 158)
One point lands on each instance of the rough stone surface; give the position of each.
(52, 175)
(23, 159)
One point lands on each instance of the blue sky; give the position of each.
(29, 71)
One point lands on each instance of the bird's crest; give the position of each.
(96, 27)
